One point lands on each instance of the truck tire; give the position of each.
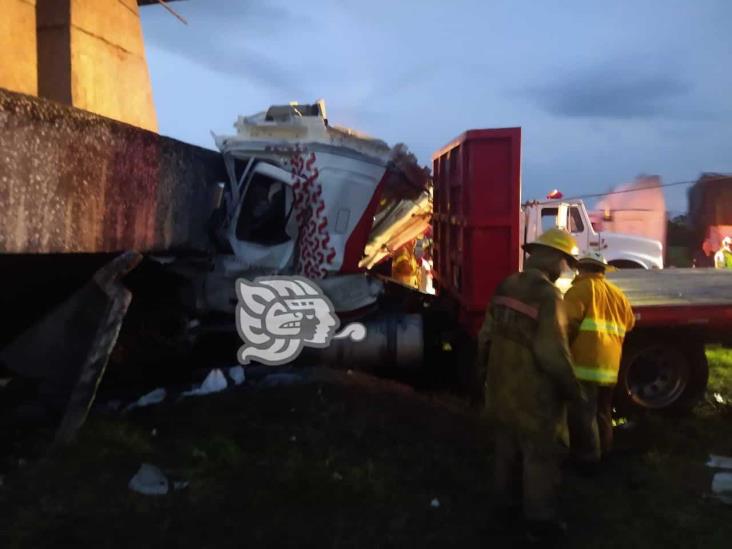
(656, 375)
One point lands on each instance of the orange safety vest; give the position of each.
(599, 316)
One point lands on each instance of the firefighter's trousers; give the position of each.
(527, 472)
(591, 423)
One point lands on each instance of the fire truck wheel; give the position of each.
(662, 376)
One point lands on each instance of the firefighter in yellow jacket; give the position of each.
(528, 382)
(599, 316)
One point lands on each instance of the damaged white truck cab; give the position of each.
(301, 199)
(620, 250)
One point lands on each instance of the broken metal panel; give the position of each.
(67, 350)
(75, 182)
(103, 340)
(405, 221)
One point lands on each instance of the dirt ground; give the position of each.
(351, 461)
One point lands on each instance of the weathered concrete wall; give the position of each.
(71, 181)
(18, 46)
(91, 55)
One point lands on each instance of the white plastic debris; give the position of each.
(150, 481)
(236, 373)
(153, 397)
(719, 398)
(215, 382)
(180, 484)
(720, 462)
(435, 503)
(722, 487)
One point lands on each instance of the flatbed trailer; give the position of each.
(678, 312)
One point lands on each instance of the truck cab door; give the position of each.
(263, 230)
(578, 224)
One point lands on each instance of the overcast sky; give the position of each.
(604, 91)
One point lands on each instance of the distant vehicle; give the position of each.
(623, 251)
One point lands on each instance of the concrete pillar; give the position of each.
(91, 55)
(18, 46)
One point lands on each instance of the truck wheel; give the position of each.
(656, 375)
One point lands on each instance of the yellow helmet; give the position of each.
(557, 239)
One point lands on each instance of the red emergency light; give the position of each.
(554, 195)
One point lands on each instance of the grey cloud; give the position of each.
(217, 35)
(614, 91)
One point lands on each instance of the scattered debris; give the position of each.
(150, 481)
(720, 462)
(722, 487)
(435, 503)
(237, 375)
(153, 397)
(215, 382)
(719, 398)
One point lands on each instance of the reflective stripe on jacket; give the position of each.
(599, 316)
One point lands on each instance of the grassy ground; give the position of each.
(354, 462)
(720, 370)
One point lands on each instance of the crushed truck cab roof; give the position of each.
(302, 124)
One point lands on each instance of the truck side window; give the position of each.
(575, 221)
(263, 216)
(548, 218)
